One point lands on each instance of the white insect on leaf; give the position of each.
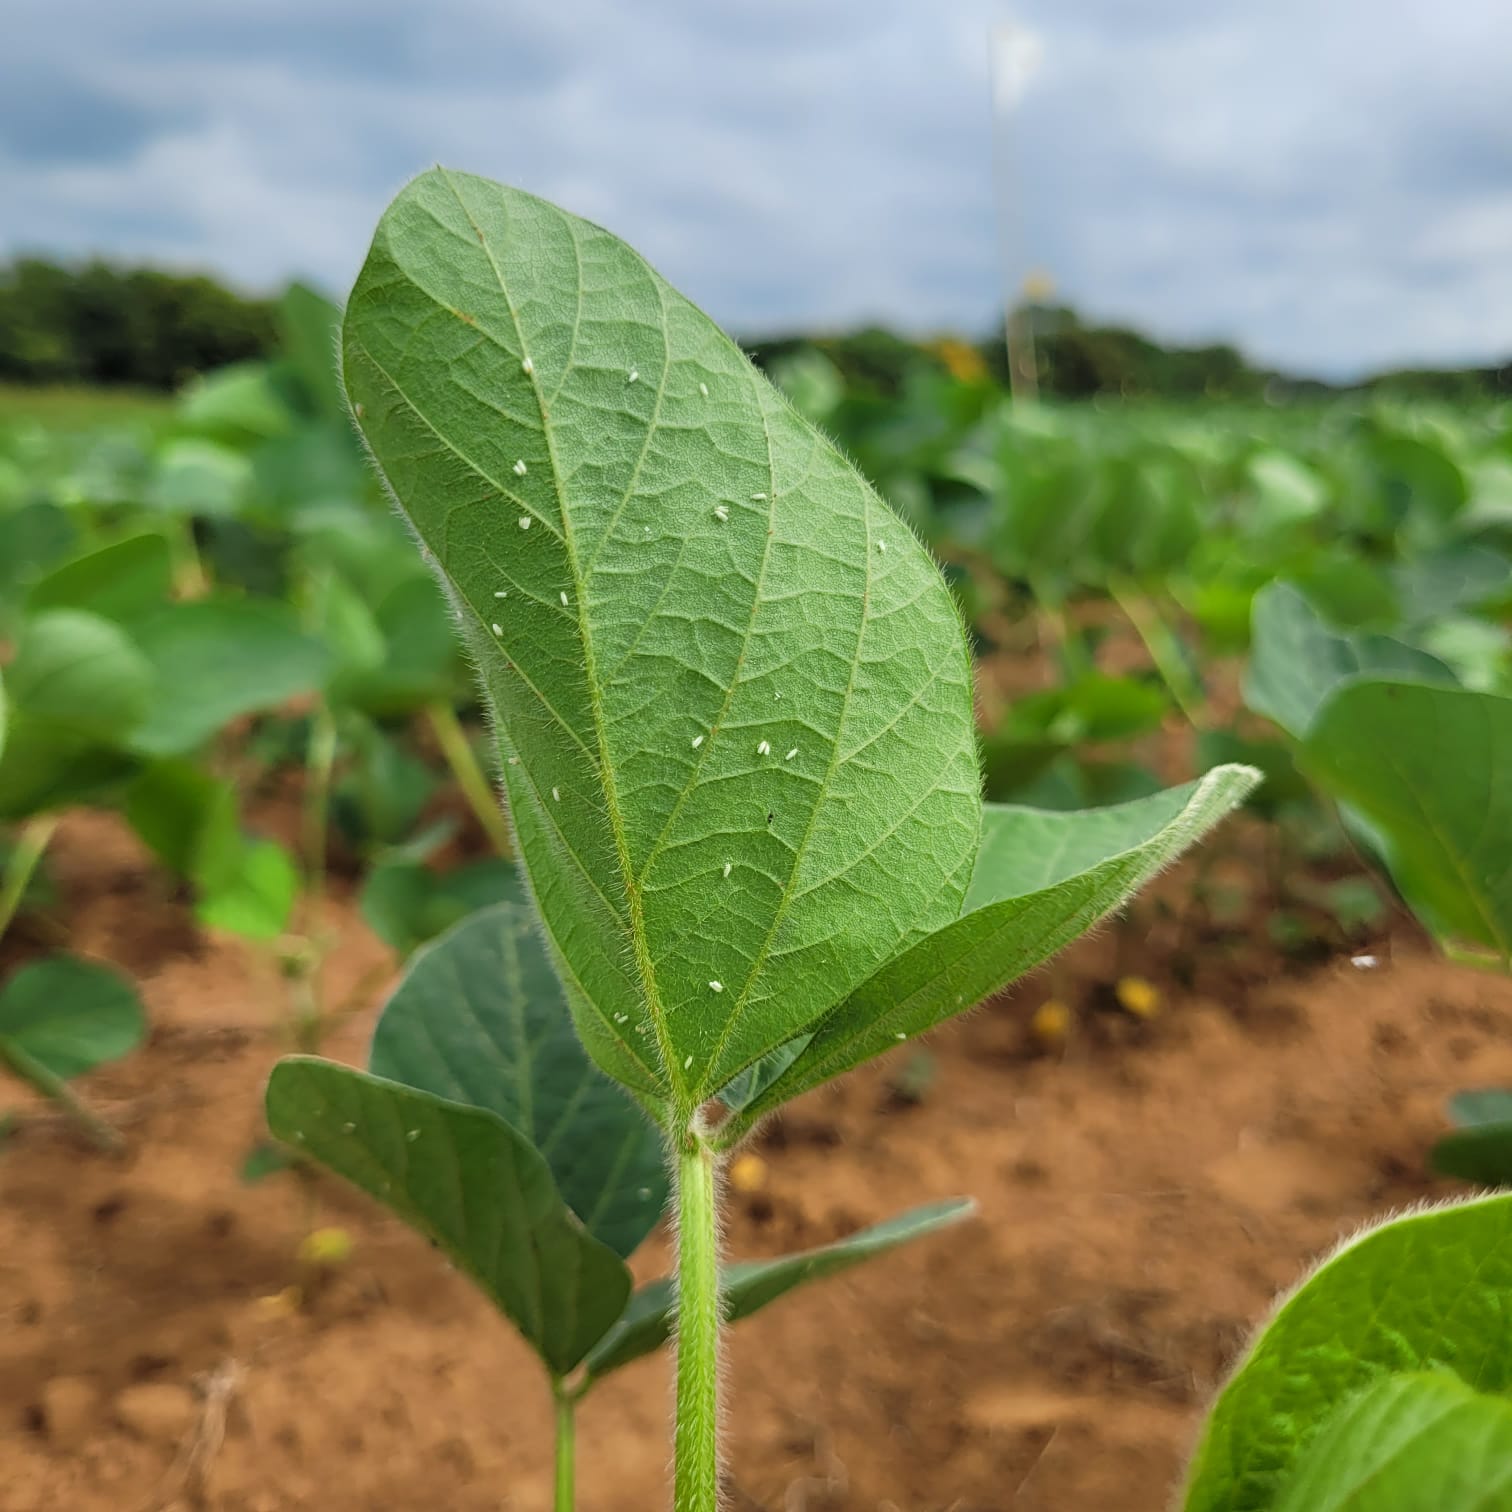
(527, 367)
(698, 740)
(716, 986)
(791, 754)
(758, 498)
(563, 596)
(556, 794)
(727, 868)
(524, 522)
(765, 748)
(881, 545)
(497, 629)
(501, 593)
(413, 1135)
(703, 388)
(634, 377)
(520, 469)
(721, 512)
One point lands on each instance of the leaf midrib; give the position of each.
(644, 964)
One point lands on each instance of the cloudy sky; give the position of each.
(1327, 182)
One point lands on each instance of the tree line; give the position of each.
(100, 324)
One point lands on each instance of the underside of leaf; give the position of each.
(732, 691)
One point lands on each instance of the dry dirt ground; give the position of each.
(1144, 1191)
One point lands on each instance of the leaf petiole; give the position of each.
(22, 864)
(696, 1444)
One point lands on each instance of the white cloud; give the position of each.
(1329, 186)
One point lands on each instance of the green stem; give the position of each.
(22, 863)
(1160, 641)
(320, 762)
(696, 1441)
(1070, 649)
(565, 1424)
(51, 1085)
(475, 786)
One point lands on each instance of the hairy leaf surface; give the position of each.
(1411, 1443)
(731, 689)
(1042, 879)
(1429, 1291)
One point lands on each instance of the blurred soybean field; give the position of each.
(213, 623)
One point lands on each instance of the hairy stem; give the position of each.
(475, 786)
(22, 864)
(566, 1405)
(696, 1441)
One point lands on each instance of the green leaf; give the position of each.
(1042, 878)
(1481, 1154)
(1480, 1148)
(379, 798)
(217, 659)
(46, 767)
(308, 324)
(1296, 660)
(248, 887)
(1435, 586)
(1287, 490)
(1431, 770)
(417, 661)
(716, 645)
(69, 1016)
(32, 539)
(405, 903)
(1472, 1110)
(117, 582)
(240, 402)
(180, 811)
(202, 478)
(746, 1288)
(472, 1184)
(480, 1018)
(82, 674)
(1411, 1443)
(1431, 1291)
(4, 715)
